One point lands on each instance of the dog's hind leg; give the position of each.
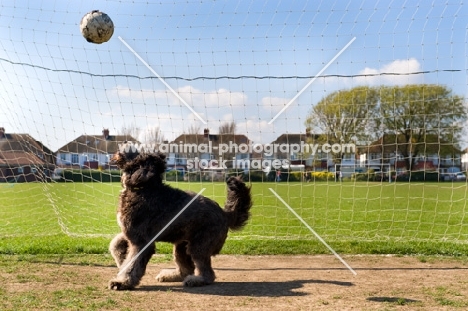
(118, 248)
(133, 273)
(204, 274)
(184, 264)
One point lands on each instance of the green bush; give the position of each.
(424, 176)
(174, 175)
(322, 176)
(295, 176)
(412, 176)
(363, 176)
(193, 176)
(90, 175)
(255, 176)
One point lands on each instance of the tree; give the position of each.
(417, 113)
(154, 135)
(194, 129)
(227, 128)
(345, 116)
(130, 131)
(226, 135)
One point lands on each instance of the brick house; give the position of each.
(91, 151)
(179, 159)
(24, 159)
(433, 155)
(320, 161)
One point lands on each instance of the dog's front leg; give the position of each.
(119, 248)
(131, 276)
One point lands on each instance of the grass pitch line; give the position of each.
(124, 268)
(312, 81)
(313, 231)
(162, 80)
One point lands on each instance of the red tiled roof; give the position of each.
(95, 144)
(23, 149)
(19, 158)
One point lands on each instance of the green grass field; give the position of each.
(355, 218)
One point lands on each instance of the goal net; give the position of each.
(287, 94)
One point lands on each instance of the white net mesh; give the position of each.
(188, 70)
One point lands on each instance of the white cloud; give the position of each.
(193, 96)
(217, 98)
(258, 131)
(274, 104)
(124, 92)
(400, 71)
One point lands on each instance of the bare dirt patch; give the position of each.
(250, 283)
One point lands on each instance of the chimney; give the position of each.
(2, 132)
(206, 132)
(105, 133)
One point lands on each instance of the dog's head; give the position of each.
(122, 159)
(140, 169)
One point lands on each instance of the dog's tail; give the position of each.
(238, 203)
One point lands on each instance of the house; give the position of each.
(433, 154)
(303, 149)
(283, 150)
(91, 151)
(464, 160)
(201, 151)
(24, 159)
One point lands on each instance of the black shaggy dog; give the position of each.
(147, 205)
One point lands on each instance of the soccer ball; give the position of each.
(96, 27)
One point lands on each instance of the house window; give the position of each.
(94, 157)
(63, 157)
(75, 159)
(348, 157)
(20, 170)
(243, 156)
(33, 170)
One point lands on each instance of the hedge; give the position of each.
(89, 175)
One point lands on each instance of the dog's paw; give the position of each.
(168, 275)
(119, 285)
(194, 281)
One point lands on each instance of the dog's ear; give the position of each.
(119, 159)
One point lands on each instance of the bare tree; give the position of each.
(227, 128)
(154, 135)
(227, 132)
(194, 129)
(130, 131)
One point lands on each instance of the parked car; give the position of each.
(460, 176)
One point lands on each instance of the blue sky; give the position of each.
(51, 84)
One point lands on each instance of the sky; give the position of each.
(233, 60)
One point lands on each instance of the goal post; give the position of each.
(271, 91)
(374, 172)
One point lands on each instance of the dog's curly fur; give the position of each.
(147, 204)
